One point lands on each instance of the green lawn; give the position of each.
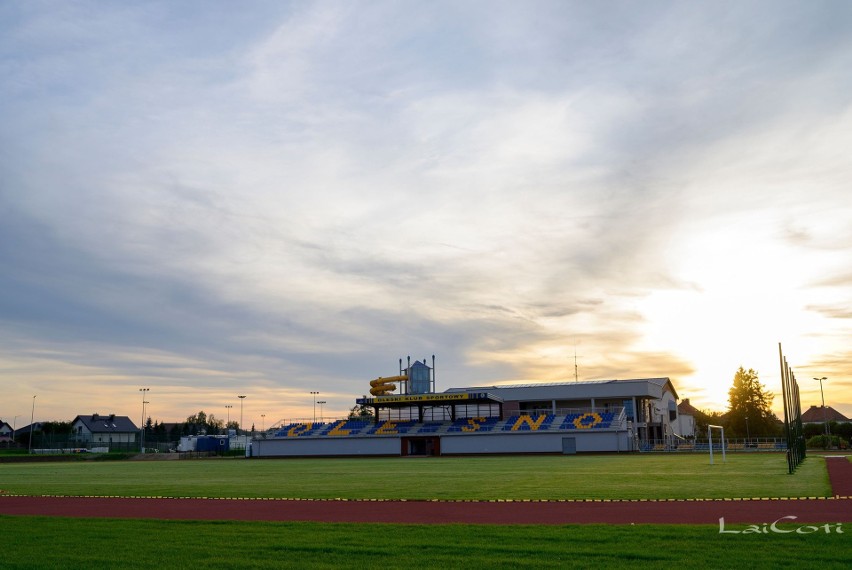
(47, 542)
(43, 542)
(503, 477)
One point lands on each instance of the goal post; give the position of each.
(721, 443)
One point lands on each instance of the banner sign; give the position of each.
(419, 398)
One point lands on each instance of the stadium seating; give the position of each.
(529, 423)
(300, 429)
(588, 420)
(430, 427)
(343, 428)
(470, 425)
(391, 427)
(515, 423)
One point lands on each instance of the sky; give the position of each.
(277, 198)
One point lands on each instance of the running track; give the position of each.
(837, 509)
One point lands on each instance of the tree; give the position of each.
(361, 412)
(748, 398)
(844, 430)
(57, 428)
(158, 433)
(215, 425)
(201, 422)
(54, 432)
(197, 419)
(705, 418)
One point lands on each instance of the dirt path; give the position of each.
(744, 511)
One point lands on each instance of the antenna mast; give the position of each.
(575, 364)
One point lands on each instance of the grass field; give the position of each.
(41, 542)
(513, 477)
(46, 542)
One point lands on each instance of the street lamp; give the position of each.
(228, 407)
(321, 402)
(142, 429)
(824, 411)
(32, 425)
(315, 404)
(241, 410)
(263, 422)
(748, 434)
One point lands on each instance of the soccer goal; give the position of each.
(721, 441)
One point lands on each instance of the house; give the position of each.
(819, 415)
(109, 429)
(686, 413)
(7, 432)
(33, 427)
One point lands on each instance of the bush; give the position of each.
(825, 442)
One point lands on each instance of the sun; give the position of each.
(735, 304)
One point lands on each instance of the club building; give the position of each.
(567, 418)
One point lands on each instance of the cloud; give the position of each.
(300, 194)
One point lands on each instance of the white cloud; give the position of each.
(321, 187)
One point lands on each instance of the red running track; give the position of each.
(749, 511)
(840, 475)
(429, 512)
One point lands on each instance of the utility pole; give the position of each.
(32, 426)
(142, 428)
(824, 411)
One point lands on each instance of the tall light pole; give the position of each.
(15, 431)
(321, 402)
(32, 426)
(228, 408)
(314, 394)
(824, 411)
(748, 434)
(241, 411)
(263, 422)
(142, 429)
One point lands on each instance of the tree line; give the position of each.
(749, 413)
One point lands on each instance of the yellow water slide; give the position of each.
(384, 386)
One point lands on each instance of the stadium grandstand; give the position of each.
(568, 418)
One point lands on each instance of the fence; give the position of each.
(748, 445)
